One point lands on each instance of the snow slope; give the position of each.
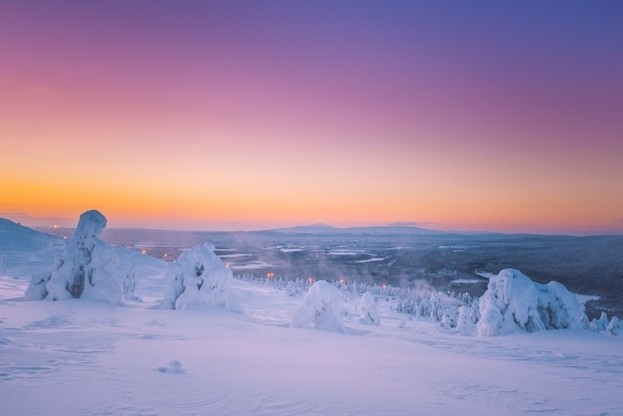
(81, 357)
(20, 246)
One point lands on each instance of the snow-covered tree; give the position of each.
(197, 278)
(368, 311)
(468, 317)
(87, 270)
(513, 301)
(320, 309)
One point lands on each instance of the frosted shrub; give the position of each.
(513, 301)
(320, 309)
(368, 311)
(468, 317)
(197, 278)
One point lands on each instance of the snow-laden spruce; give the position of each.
(368, 311)
(513, 301)
(321, 308)
(88, 268)
(198, 278)
(613, 327)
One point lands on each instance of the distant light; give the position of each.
(55, 226)
(143, 251)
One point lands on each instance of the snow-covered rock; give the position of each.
(513, 301)
(368, 311)
(197, 278)
(320, 309)
(174, 367)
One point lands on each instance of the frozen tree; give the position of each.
(513, 301)
(599, 325)
(468, 317)
(320, 309)
(368, 311)
(87, 269)
(615, 327)
(197, 278)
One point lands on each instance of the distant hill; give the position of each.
(24, 251)
(16, 237)
(324, 229)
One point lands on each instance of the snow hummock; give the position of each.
(198, 278)
(320, 309)
(513, 301)
(368, 310)
(174, 367)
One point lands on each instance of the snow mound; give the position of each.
(513, 301)
(174, 367)
(320, 308)
(196, 279)
(368, 311)
(87, 270)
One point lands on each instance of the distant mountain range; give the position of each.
(324, 229)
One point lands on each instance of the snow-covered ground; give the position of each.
(86, 357)
(82, 357)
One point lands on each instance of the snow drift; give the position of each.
(513, 301)
(197, 278)
(320, 309)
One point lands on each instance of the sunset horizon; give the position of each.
(242, 115)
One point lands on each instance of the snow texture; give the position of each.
(197, 279)
(368, 310)
(514, 302)
(320, 309)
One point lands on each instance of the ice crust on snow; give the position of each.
(368, 311)
(513, 301)
(198, 278)
(320, 309)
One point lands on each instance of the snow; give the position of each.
(513, 301)
(87, 357)
(198, 278)
(320, 309)
(368, 311)
(370, 260)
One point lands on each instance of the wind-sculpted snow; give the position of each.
(513, 301)
(196, 279)
(320, 309)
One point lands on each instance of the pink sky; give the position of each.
(246, 115)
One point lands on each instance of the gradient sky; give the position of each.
(503, 116)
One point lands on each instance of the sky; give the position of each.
(484, 115)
